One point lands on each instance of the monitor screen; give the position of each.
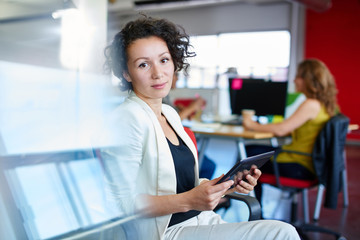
(265, 97)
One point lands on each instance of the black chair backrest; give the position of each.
(328, 156)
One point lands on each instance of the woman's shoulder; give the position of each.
(128, 113)
(311, 103)
(169, 109)
(311, 107)
(170, 112)
(130, 107)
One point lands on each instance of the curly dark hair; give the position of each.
(174, 35)
(319, 83)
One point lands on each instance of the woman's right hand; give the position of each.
(207, 195)
(204, 197)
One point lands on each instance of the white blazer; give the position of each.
(140, 161)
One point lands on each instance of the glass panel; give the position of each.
(42, 201)
(87, 174)
(53, 97)
(60, 196)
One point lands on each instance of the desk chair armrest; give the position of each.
(276, 168)
(251, 202)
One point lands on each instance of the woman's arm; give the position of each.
(309, 109)
(195, 106)
(205, 196)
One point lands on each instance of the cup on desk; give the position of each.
(247, 113)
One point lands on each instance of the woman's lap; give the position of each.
(208, 225)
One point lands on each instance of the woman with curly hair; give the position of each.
(315, 81)
(152, 169)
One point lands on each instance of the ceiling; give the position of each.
(23, 9)
(21, 40)
(15, 10)
(136, 5)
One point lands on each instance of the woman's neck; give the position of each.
(156, 107)
(154, 104)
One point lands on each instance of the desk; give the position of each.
(353, 127)
(236, 133)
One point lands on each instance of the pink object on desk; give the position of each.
(236, 84)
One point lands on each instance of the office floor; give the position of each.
(343, 220)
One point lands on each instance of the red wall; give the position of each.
(333, 36)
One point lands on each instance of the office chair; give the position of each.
(329, 162)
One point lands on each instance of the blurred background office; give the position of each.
(54, 95)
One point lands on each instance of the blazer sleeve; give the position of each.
(122, 161)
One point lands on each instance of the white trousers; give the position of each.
(209, 226)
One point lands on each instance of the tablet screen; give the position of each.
(242, 168)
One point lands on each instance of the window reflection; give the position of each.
(88, 181)
(43, 201)
(57, 193)
(53, 98)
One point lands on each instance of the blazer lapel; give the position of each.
(166, 178)
(179, 129)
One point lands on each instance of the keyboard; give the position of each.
(236, 121)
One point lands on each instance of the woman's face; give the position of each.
(299, 84)
(150, 68)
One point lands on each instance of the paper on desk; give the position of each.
(205, 127)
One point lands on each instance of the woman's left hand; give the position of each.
(246, 184)
(249, 124)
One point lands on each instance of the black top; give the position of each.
(184, 162)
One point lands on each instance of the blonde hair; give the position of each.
(319, 83)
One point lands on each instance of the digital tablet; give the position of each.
(243, 167)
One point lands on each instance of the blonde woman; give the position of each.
(315, 81)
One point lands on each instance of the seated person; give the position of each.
(315, 81)
(152, 170)
(188, 110)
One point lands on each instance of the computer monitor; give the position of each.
(265, 97)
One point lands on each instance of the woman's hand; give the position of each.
(207, 195)
(204, 197)
(187, 112)
(248, 123)
(245, 181)
(197, 104)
